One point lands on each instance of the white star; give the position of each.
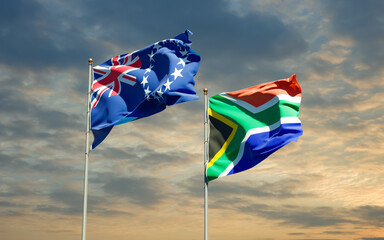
(157, 47)
(167, 85)
(155, 95)
(181, 62)
(160, 93)
(177, 73)
(185, 52)
(145, 81)
(148, 69)
(147, 92)
(151, 56)
(185, 59)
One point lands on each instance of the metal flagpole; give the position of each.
(205, 164)
(84, 230)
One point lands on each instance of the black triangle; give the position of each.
(219, 133)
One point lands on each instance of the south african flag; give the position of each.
(248, 125)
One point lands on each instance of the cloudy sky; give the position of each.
(146, 178)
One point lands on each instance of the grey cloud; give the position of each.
(318, 101)
(99, 210)
(11, 209)
(118, 154)
(72, 34)
(166, 159)
(23, 118)
(338, 232)
(372, 215)
(145, 191)
(61, 210)
(40, 36)
(282, 189)
(315, 239)
(70, 202)
(297, 215)
(10, 204)
(296, 234)
(69, 197)
(14, 132)
(18, 103)
(364, 26)
(11, 162)
(18, 189)
(144, 157)
(11, 213)
(51, 167)
(363, 23)
(317, 216)
(16, 163)
(220, 32)
(319, 67)
(54, 119)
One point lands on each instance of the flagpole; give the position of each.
(206, 152)
(84, 229)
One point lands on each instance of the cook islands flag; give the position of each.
(139, 84)
(248, 125)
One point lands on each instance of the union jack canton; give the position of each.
(139, 84)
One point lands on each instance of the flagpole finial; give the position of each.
(90, 60)
(205, 91)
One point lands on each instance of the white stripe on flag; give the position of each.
(266, 105)
(253, 131)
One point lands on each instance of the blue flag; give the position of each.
(139, 84)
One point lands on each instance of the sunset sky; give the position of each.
(146, 178)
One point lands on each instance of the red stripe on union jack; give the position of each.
(112, 76)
